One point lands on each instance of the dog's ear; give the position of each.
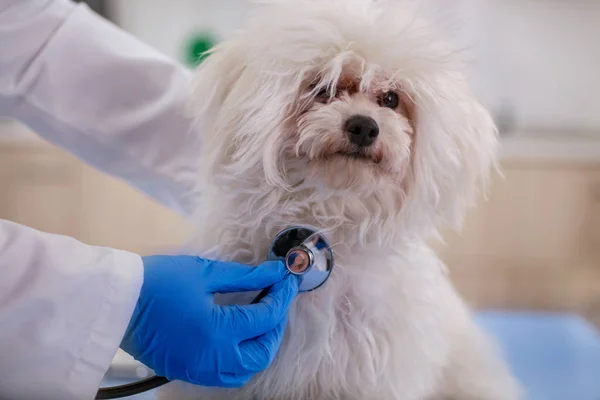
(455, 150)
(213, 80)
(240, 106)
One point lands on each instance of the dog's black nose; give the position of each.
(362, 131)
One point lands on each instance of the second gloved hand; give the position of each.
(179, 332)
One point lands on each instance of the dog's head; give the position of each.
(356, 101)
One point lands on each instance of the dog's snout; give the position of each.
(362, 131)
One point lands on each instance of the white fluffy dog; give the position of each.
(351, 116)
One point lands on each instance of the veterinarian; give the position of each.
(66, 307)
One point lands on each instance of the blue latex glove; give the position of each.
(179, 332)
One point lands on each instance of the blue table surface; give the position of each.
(554, 356)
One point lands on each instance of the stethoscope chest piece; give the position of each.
(305, 252)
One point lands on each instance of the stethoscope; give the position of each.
(305, 253)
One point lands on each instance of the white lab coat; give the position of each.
(116, 103)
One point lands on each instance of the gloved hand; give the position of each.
(179, 332)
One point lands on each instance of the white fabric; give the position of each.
(91, 88)
(63, 309)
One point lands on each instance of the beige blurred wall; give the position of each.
(535, 244)
(52, 191)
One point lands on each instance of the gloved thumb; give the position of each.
(234, 277)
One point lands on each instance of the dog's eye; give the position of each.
(323, 95)
(390, 100)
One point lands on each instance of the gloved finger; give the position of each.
(221, 379)
(234, 380)
(246, 322)
(257, 354)
(229, 277)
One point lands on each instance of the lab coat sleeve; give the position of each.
(64, 307)
(93, 89)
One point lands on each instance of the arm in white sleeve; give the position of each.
(64, 307)
(93, 89)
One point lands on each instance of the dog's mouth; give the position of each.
(360, 155)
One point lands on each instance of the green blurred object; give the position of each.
(197, 47)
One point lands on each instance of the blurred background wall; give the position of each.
(534, 244)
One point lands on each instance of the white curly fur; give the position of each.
(388, 323)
